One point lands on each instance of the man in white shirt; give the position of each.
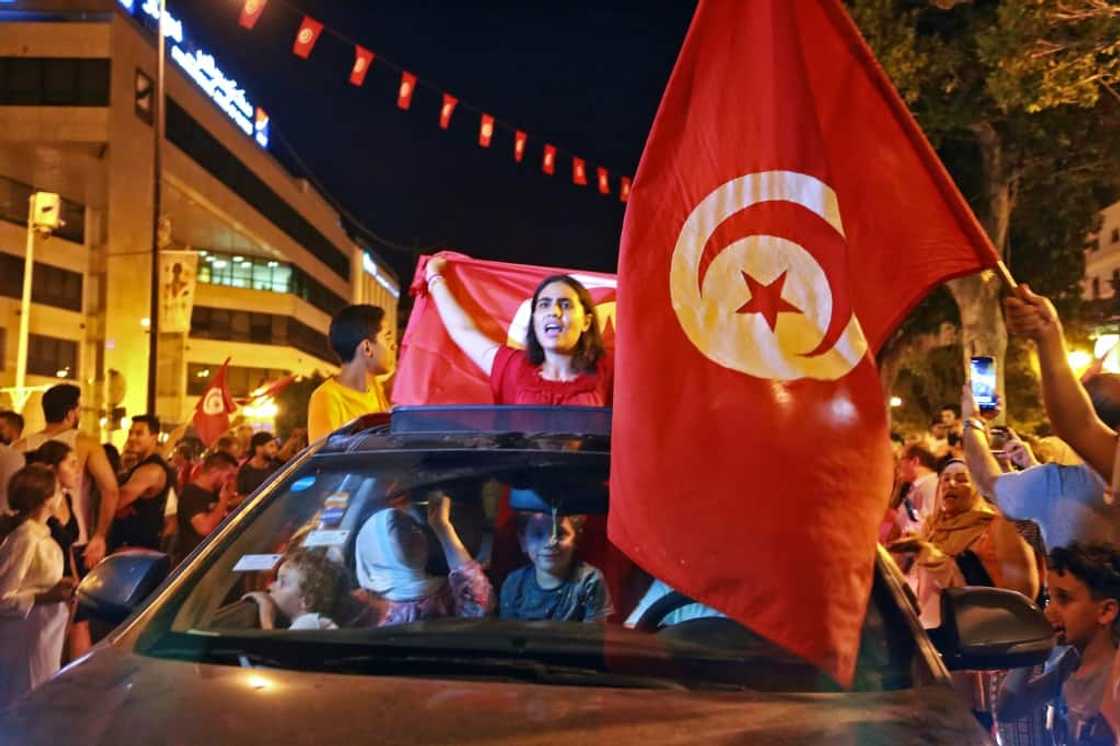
(918, 466)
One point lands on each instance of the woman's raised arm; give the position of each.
(480, 348)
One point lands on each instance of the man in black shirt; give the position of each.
(206, 501)
(262, 462)
(143, 495)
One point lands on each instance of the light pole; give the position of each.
(42, 215)
(153, 295)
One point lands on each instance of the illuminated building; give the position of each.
(275, 258)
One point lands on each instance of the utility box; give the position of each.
(46, 211)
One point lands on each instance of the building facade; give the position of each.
(274, 258)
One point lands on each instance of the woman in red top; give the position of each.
(563, 363)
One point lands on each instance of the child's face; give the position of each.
(1073, 612)
(285, 590)
(550, 544)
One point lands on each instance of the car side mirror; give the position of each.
(991, 629)
(120, 583)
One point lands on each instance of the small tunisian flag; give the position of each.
(306, 37)
(363, 61)
(404, 93)
(604, 180)
(448, 108)
(211, 414)
(497, 295)
(251, 12)
(485, 130)
(786, 215)
(579, 172)
(548, 160)
(519, 139)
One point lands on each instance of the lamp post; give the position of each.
(42, 216)
(153, 296)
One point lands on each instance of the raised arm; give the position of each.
(97, 464)
(1067, 403)
(459, 324)
(982, 465)
(1015, 557)
(146, 481)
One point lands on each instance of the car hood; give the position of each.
(114, 697)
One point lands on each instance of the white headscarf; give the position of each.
(383, 562)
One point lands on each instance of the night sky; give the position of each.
(585, 75)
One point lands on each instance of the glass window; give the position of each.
(51, 356)
(54, 81)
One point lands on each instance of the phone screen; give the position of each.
(983, 378)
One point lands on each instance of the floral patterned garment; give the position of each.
(467, 594)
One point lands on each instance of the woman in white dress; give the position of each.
(33, 593)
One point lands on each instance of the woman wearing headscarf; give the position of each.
(966, 542)
(391, 557)
(564, 361)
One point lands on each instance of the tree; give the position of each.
(1018, 96)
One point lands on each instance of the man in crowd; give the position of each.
(143, 493)
(917, 466)
(365, 348)
(61, 409)
(1084, 583)
(207, 500)
(11, 427)
(260, 465)
(231, 446)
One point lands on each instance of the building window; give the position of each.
(1096, 288)
(205, 149)
(14, 197)
(51, 356)
(258, 328)
(267, 274)
(242, 381)
(54, 81)
(1116, 235)
(51, 286)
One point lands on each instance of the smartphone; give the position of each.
(982, 376)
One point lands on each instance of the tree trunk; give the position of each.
(978, 296)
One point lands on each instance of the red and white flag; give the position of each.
(519, 139)
(548, 160)
(497, 295)
(604, 180)
(306, 37)
(485, 130)
(624, 188)
(251, 12)
(211, 414)
(407, 88)
(579, 172)
(786, 215)
(445, 111)
(363, 61)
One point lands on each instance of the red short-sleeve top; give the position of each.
(514, 380)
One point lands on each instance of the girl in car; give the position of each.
(563, 363)
(391, 557)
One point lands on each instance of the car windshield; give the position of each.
(472, 563)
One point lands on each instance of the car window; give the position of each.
(467, 563)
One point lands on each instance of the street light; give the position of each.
(42, 217)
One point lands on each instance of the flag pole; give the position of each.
(1005, 275)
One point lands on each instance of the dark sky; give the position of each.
(586, 75)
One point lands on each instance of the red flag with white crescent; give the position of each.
(445, 111)
(306, 37)
(485, 130)
(211, 413)
(363, 61)
(579, 172)
(604, 180)
(548, 160)
(406, 89)
(251, 12)
(519, 139)
(433, 370)
(786, 215)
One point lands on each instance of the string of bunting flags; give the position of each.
(308, 35)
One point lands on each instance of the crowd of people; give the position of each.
(974, 503)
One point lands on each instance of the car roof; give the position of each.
(481, 427)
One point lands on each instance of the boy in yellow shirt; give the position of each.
(365, 346)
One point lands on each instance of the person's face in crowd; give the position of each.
(550, 544)
(141, 440)
(1072, 611)
(235, 450)
(69, 472)
(269, 450)
(215, 479)
(948, 417)
(559, 319)
(244, 434)
(285, 590)
(908, 469)
(379, 351)
(958, 495)
(411, 543)
(939, 430)
(8, 433)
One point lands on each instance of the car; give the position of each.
(190, 664)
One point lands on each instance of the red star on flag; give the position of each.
(767, 299)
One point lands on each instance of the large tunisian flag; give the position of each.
(211, 413)
(786, 214)
(433, 370)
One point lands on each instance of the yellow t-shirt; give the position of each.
(332, 405)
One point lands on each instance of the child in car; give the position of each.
(554, 585)
(305, 591)
(1084, 584)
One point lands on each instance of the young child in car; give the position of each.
(305, 591)
(1084, 584)
(555, 585)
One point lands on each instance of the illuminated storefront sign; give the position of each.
(204, 71)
